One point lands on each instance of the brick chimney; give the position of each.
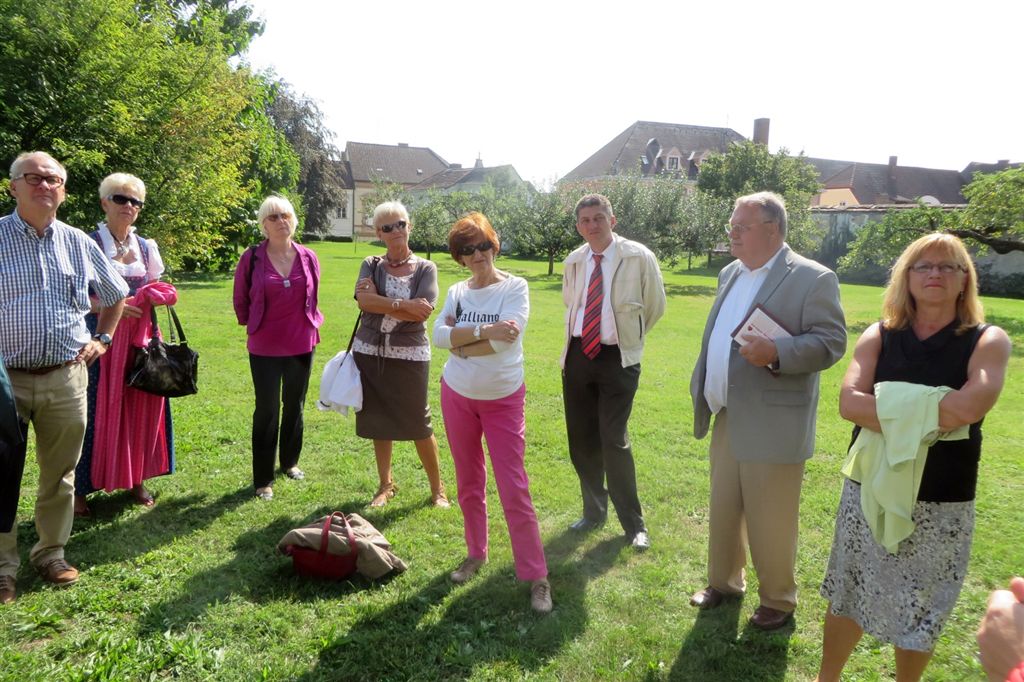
(891, 180)
(761, 130)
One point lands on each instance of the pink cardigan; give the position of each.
(249, 300)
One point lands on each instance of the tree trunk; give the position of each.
(551, 264)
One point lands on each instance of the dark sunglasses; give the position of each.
(400, 225)
(121, 200)
(468, 249)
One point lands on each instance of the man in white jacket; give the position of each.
(614, 295)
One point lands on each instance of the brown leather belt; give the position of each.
(40, 370)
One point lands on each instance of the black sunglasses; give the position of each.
(468, 249)
(400, 225)
(121, 200)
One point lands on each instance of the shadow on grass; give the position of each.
(103, 538)
(487, 622)
(712, 650)
(255, 573)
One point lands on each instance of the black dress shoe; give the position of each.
(767, 618)
(641, 542)
(585, 525)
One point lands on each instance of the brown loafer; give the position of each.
(708, 598)
(7, 593)
(58, 572)
(767, 618)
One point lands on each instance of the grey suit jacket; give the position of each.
(772, 416)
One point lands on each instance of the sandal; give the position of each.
(265, 494)
(440, 499)
(295, 473)
(384, 493)
(81, 507)
(142, 496)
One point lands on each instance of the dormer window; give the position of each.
(673, 163)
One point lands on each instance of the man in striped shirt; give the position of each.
(46, 271)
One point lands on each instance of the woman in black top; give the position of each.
(932, 333)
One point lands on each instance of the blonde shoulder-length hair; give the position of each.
(898, 306)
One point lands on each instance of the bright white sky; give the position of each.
(543, 85)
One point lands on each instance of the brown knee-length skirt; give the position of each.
(394, 398)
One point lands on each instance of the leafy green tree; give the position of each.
(702, 221)
(648, 210)
(993, 218)
(434, 215)
(321, 181)
(749, 167)
(231, 20)
(543, 224)
(105, 86)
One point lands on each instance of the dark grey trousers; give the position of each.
(598, 396)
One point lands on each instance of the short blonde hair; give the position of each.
(116, 181)
(388, 209)
(276, 203)
(898, 306)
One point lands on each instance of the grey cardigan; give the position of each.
(407, 334)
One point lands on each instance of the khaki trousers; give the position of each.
(55, 404)
(755, 504)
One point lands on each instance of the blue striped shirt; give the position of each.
(44, 291)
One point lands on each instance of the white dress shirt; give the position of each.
(609, 336)
(732, 312)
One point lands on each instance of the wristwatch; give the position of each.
(476, 331)
(105, 339)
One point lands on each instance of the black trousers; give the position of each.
(280, 384)
(598, 396)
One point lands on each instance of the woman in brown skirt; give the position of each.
(397, 293)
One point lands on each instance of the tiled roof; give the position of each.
(461, 176)
(624, 152)
(869, 183)
(981, 167)
(397, 163)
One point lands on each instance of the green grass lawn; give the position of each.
(193, 589)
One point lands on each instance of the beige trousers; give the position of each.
(755, 504)
(55, 404)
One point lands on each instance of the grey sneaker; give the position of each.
(466, 570)
(540, 596)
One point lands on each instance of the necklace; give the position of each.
(400, 262)
(120, 245)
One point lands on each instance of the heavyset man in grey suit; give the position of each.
(764, 395)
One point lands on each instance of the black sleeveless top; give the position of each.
(951, 470)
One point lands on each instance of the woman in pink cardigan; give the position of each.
(276, 285)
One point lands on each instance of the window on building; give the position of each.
(673, 163)
(343, 211)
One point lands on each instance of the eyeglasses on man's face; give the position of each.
(468, 249)
(35, 179)
(400, 225)
(924, 268)
(275, 217)
(743, 229)
(121, 200)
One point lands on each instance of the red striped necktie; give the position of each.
(591, 335)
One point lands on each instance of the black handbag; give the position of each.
(166, 369)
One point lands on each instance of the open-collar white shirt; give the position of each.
(731, 313)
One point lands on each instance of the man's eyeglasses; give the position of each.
(400, 225)
(943, 268)
(121, 200)
(35, 179)
(742, 229)
(468, 249)
(274, 217)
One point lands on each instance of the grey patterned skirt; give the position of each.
(903, 598)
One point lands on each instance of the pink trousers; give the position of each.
(503, 423)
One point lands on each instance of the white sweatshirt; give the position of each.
(486, 377)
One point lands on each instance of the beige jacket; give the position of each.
(638, 295)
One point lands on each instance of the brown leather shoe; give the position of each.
(767, 618)
(708, 598)
(7, 593)
(58, 572)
